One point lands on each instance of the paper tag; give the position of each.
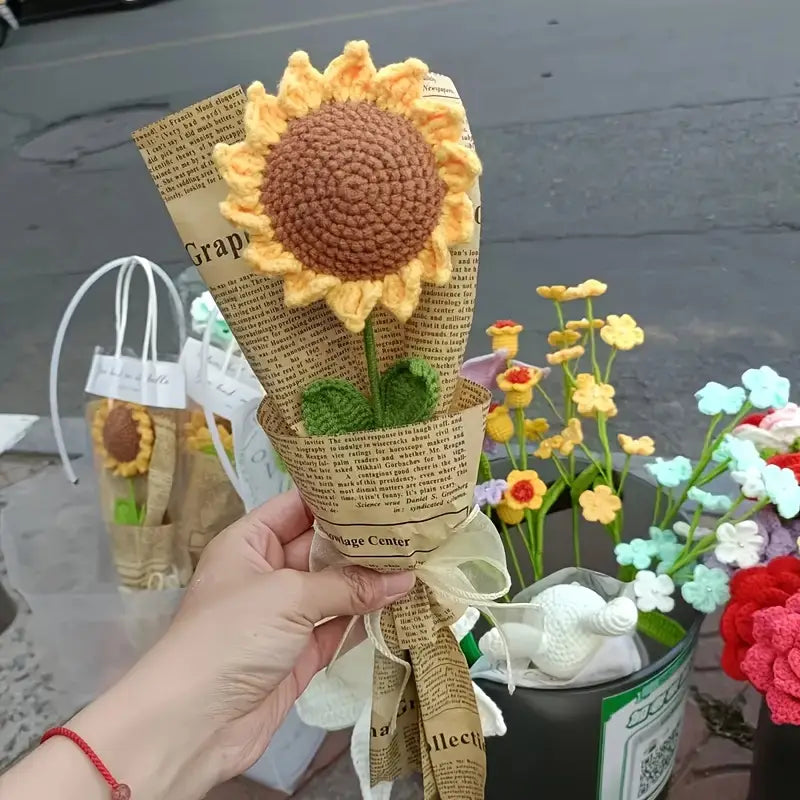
(121, 378)
(641, 729)
(260, 477)
(223, 392)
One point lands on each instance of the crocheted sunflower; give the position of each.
(123, 435)
(350, 184)
(198, 436)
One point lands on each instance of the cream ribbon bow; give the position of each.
(467, 569)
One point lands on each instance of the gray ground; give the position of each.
(660, 155)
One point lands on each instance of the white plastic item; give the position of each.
(150, 392)
(86, 632)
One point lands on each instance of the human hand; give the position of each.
(206, 700)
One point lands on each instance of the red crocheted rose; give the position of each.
(772, 664)
(755, 419)
(752, 590)
(788, 461)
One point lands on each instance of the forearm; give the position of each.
(146, 732)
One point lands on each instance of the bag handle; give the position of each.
(127, 264)
(222, 454)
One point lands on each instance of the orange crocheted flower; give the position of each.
(562, 338)
(350, 184)
(584, 324)
(600, 505)
(525, 490)
(567, 354)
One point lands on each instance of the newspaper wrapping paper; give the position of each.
(151, 555)
(358, 485)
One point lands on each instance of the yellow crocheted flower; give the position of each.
(549, 446)
(518, 383)
(567, 354)
(584, 324)
(525, 490)
(551, 292)
(505, 336)
(350, 185)
(599, 505)
(535, 428)
(562, 338)
(590, 288)
(123, 436)
(571, 436)
(499, 425)
(622, 332)
(592, 397)
(198, 436)
(511, 516)
(643, 446)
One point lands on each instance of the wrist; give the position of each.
(152, 734)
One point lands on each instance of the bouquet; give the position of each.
(350, 186)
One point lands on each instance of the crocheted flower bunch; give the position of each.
(680, 553)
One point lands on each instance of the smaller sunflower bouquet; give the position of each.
(135, 450)
(558, 456)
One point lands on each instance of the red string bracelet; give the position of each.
(119, 791)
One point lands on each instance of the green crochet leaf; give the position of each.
(661, 628)
(582, 482)
(409, 391)
(333, 406)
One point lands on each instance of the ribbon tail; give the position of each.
(372, 624)
(487, 610)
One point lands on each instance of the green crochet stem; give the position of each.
(126, 510)
(470, 649)
(371, 353)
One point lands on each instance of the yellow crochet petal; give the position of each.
(397, 87)
(458, 166)
(302, 87)
(458, 218)
(241, 167)
(264, 120)
(350, 75)
(247, 214)
(306, 287)
(268, 255)
(401, 292)
(353, 301)
(437, 121)
(435, 258)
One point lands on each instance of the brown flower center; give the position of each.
(353, 191)
(120, 435)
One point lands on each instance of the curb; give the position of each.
(40, 441)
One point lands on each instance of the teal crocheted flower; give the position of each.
(672, 472)
(638, 553)
(713, 503)
(707, 590)
(714, 398)
(782, 489)
(767, 388)
(202, 311)
(742, 453)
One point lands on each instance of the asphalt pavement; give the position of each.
(653, 145)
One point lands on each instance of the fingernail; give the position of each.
(397, 584)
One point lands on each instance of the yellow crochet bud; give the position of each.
(518, 383)
(505, 336)
(499, 425)
(511, 516)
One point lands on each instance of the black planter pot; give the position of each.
(775, 756)
(7, 609)
(616, 740)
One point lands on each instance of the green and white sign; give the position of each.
(641, 728)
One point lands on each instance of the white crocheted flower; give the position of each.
(739, 544)
(752, 481)
(653, 592)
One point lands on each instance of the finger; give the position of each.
(286, 515)
(297, 552)
(349, 591)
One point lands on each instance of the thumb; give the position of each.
(350, 591)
